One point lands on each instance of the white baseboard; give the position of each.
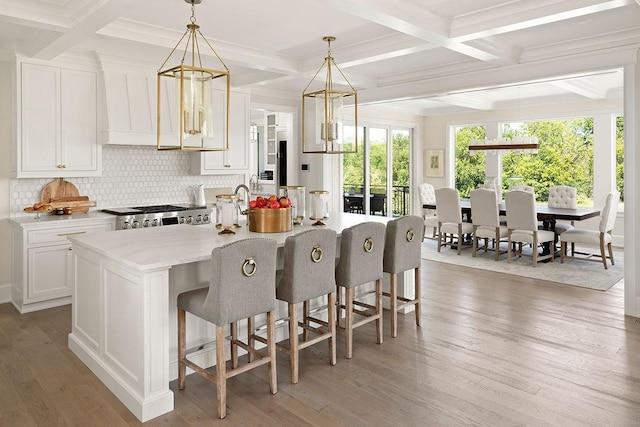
(5, 293)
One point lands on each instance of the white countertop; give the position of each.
(162, 247)
(47, 220)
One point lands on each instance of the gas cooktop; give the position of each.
(152, 209)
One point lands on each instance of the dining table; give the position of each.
(547, 215)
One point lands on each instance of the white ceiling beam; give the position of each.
(581, 88)
(85, 24)
(388, 47)
(515, 74)
(126, 29)
(470, 100)
(412, 19)
(522, 15)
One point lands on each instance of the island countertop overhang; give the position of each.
(155, 248)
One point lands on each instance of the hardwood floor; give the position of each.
(493, 350)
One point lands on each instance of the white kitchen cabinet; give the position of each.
(236, 159)
(42, 260)
(57, 123)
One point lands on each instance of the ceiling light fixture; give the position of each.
(202, 95)
(324, 114)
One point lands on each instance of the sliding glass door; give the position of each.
(376, 178)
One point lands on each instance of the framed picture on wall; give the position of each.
(433, 163)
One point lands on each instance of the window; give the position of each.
(565, 156)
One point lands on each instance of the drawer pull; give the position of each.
(71, 234)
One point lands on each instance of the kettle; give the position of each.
(198, 195)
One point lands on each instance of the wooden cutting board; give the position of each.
(58, 189)
(80, 204)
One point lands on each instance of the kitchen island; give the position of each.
(124, 303)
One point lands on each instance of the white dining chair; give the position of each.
(450, 222)
(522, 225)
(600, 238)
(486, 221)
(563, 197)
(428, 196)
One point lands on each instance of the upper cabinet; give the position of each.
(235, 160)
(56, 130)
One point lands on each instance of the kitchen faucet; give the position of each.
(248, 199)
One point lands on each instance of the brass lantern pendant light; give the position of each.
(324, 113)
(201, 103)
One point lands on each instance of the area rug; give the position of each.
(584, 274)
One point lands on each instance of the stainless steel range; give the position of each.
(160, 215)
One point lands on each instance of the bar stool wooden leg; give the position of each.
(338, 306)
(182, 349)
(305, 317)
(271, 351)
(393, 294)
(251, 327)
(294, 350)
(331, 319)
(418, 294)
(348, 327)
(379, 310)
(234, 348)
(221, 373)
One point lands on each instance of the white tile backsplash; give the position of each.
(132, 176)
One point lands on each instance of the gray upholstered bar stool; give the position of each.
(308, 273)
(243, 276)
(403, 243)
(361, 254)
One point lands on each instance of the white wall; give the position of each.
(5, 171)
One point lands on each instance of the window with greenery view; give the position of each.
(565, 157)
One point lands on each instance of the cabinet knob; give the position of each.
(227, 166)
(61, 166)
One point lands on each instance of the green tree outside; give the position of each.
(565, 157)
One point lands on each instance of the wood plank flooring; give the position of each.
(493, 350)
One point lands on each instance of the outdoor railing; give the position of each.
(400, 200)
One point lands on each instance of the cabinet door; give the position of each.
(40, 118)
(49, 272)
(78, 98)
(239, 119)
(58, 123)
(236, 159)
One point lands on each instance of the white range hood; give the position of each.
(128, 114)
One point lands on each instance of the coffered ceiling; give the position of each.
(425, 57)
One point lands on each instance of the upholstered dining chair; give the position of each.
(428, 196)
(242, 285)
(486, 221)
(522, 226)
(360, 262)
(308, 273)
(564, 197)
(600, 238)
(402, 246)
(450, 222)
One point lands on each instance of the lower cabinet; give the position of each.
(41, 271)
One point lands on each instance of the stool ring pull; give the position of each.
(316, 254)
(410, 235)
(368, 244)
(249, 267)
